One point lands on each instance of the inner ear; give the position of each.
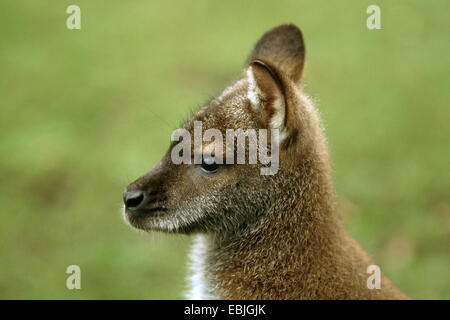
(265, 93)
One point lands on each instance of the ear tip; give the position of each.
(283, 48)
(287, 36)
(288, 29)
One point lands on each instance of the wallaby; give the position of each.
(259, 236)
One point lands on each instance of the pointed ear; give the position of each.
(282, 48)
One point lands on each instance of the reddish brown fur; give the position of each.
(265, 237)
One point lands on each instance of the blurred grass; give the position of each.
(83, 113)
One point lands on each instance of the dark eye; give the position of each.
(209, 165)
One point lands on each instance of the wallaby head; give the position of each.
(228, 197)
(267, 228)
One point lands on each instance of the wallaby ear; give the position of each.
(266, 95)
(282, 48)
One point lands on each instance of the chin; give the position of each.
(140, 220)
(154, 221)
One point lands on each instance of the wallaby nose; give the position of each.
(133, 199)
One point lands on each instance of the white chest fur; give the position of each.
(200, 286)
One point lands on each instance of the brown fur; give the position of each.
(264, 237)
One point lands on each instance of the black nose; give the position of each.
(133, 199)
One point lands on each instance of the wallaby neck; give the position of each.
(278, 250)
(299, 250)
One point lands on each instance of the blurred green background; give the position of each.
(85, 112)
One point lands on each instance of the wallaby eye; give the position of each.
(209, 165)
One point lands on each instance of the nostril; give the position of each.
(133, 199)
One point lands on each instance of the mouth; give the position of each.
(143, 217)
